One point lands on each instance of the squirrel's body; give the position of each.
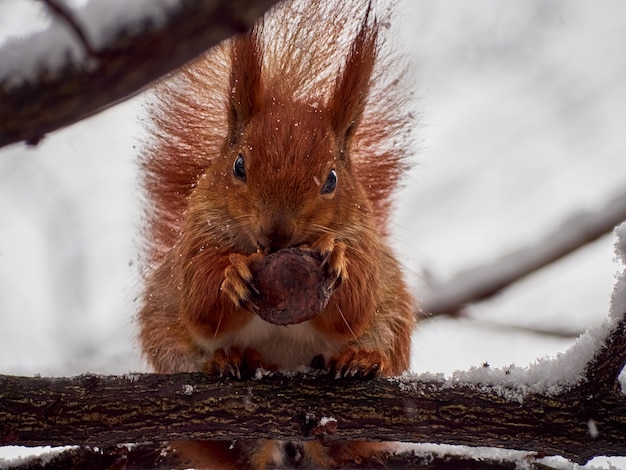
(289, 136)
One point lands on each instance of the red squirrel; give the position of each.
(290, 135)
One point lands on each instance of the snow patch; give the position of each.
(522, 459)
(260, 373)
(325, 420)
(618, 299)
(102, 19)
(17, 455)
(56, 47)
(592, 427)
(547, 376)
(427, 450)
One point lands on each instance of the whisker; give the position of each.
(217, 328)
(348, 325)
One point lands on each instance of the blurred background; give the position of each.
(523, 106)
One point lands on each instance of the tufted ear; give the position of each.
(245, 82)
(352, 85)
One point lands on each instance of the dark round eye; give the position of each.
(330, 184)
(239, 168)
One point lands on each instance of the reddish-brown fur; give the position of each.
(277, 98)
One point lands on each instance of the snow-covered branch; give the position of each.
(93, 57)
(570, 406)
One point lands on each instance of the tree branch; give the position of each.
(129, 62)
(483, 282)
(104, 411)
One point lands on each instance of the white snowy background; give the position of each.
(523, 114)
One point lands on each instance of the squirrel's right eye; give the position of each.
(239, 168)
(331, 182)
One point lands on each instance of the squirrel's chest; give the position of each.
(287, 347)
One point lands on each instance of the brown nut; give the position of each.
(292, 284)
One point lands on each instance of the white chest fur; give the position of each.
(286, 347)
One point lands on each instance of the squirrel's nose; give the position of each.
(277, 235)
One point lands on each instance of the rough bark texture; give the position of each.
(104, 411)
(121, 69)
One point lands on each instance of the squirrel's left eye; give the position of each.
(331, 182)
(239, 168)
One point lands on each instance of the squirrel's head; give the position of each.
(285, 175)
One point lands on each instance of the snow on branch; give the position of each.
(95, 56)
(483, 282)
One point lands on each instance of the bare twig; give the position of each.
(63, 12)
(483, 282)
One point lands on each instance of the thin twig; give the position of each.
(483, 282)
(65, 14)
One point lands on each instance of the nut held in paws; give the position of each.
(293, 286)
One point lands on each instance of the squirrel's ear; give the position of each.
(245, 82)
(352, 85)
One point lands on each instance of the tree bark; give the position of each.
(118, 70)
(580, 422)
(103, 411)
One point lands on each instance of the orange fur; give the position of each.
(304, 97)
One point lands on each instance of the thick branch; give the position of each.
(485, 281)
(128, 63)
(104, 411)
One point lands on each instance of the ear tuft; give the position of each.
(245, 82)
(352, 86)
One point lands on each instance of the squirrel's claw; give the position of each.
(234, 364)
(225, 365)
(357, 363)
(237, 283)
(333, 257)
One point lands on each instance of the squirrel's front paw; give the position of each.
(333, 257)
(237, 283)
(358, 363)
(234, 363)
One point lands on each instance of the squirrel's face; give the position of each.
(283, 183)
(287, 177)
(284, 176)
